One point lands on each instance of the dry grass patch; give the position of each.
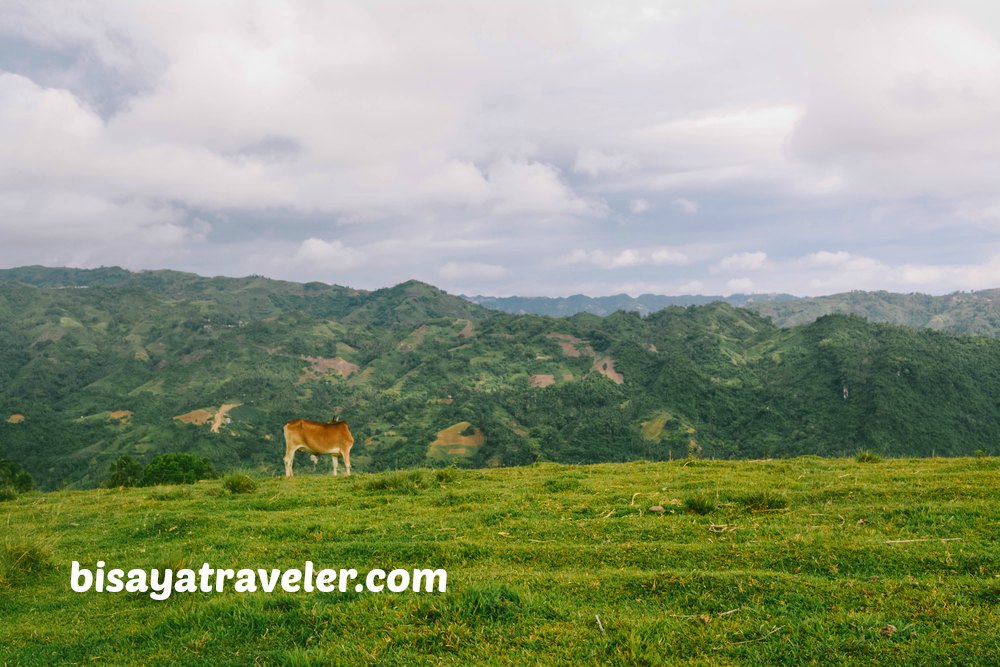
(198, 417)
(460, 439)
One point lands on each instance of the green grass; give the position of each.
(800, 561)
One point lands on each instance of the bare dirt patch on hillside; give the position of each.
(320, 366)
(121, 415)
(198, 417)
(458, 439)
(572, 346)
(575, 347)
(542, 381)
(217, 416)
(220, 415)
(15, 419)
(467, 331)
(605, 365)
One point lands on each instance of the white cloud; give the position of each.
(122, 124)
(825, 258)
(687, 205)
(743, 261)
(638, 206)
(327, 256)
(668, 256)
(595, 163)
(628, 257)
(740, 285)
(465, 272)
(532, 187)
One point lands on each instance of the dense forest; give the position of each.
(97, 364)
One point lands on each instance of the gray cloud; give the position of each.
(552, 147)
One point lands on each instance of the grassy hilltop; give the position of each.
(800, 561)
(97, 364)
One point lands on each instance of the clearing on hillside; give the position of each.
(220, 415)
(605, 365)
(15, 418)
(201, 416)
(198, 417)
(575, 347)
(458, 440)
(320, 366)
(542, 381)
(571, 345)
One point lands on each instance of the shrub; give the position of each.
(12, 475)
(239, 483)
(411, 481)
(125, 471)
(22, 558)
(7, 493)
(445, 475)
(865, 456)
(177, 469)
(699, 505)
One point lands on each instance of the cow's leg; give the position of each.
(289, 457)
(335, 462)
(347, 461)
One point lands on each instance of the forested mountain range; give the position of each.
(961, 312)
(644, 304)
(99, 363)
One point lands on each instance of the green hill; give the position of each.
(99, 364)
(795, 562)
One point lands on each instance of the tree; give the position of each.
(177, 469)
(12, 475)
(125, 471)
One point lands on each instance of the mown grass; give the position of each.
(802, 561)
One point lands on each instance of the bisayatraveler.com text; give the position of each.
(160, 584)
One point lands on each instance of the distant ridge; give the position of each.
(970, 313)
(605, 305)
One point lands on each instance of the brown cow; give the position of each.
(318, 438)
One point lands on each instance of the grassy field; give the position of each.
(800, 561)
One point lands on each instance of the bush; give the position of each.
(239, 483)
(7, 493)
(699, 505)
(865, 456)
(125, 471)
(445, 475)
(22, 558)
(12, 475)
(177, 469)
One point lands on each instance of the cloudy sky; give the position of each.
(533, 148)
